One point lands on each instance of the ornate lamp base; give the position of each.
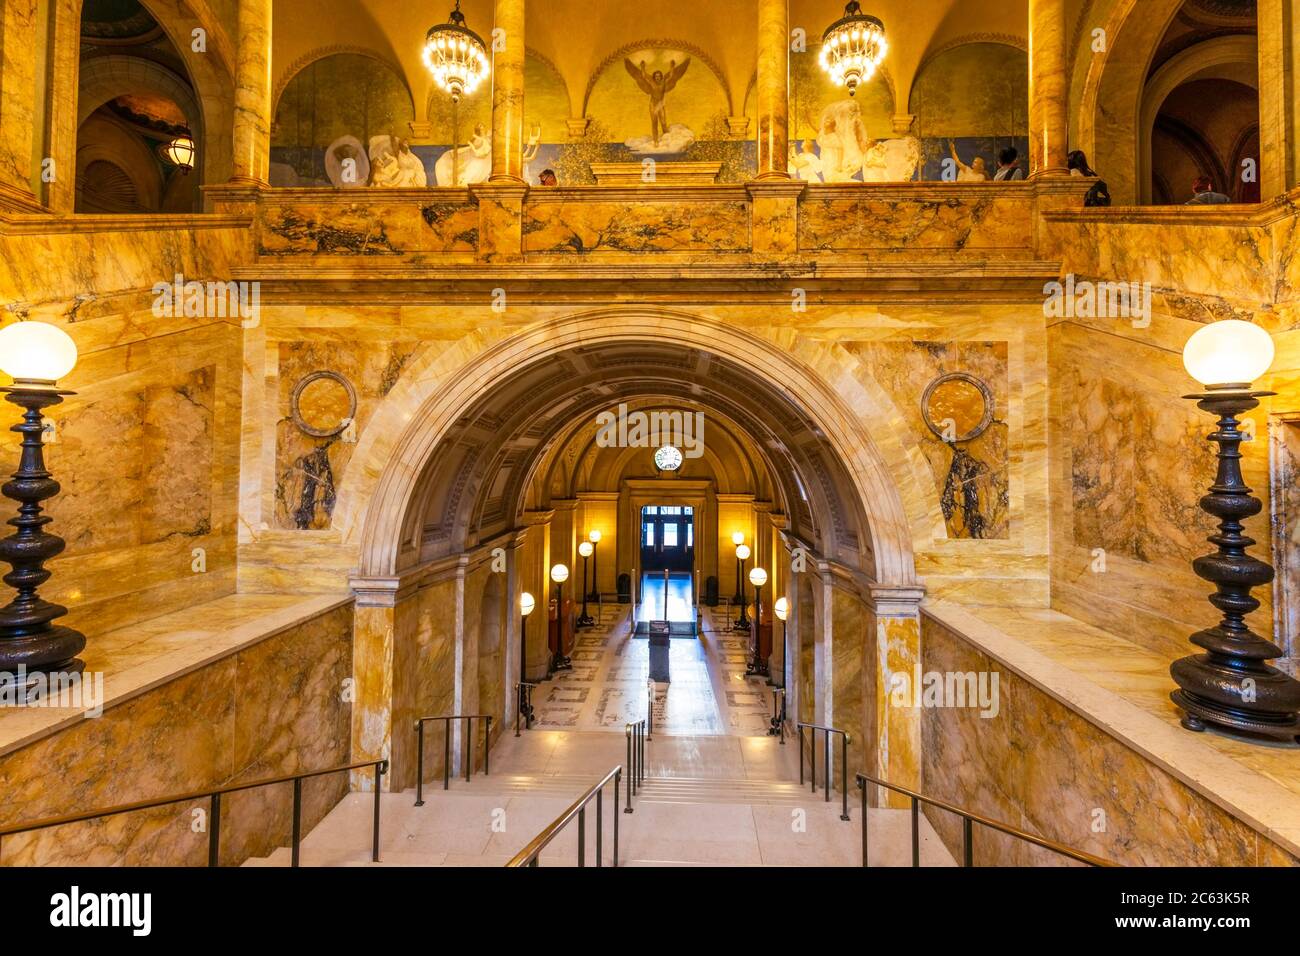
(1231, 686)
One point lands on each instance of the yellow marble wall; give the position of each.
(1040, 766)
(271, 709)
(147, 450)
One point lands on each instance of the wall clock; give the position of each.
(668, 458)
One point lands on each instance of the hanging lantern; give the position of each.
(852, 47)
(456, 56)
(179, 152)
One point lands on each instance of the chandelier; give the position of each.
(852, 47)
(456, 56)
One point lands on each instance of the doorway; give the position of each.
(667, 538)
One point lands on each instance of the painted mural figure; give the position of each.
(974, 173)
(843, 141)
(475, 161)
(805, 164)
(393, 164)
(657, 85)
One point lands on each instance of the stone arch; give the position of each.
(376, 496)
(1210, 59)
(320, 53)
(107, 77)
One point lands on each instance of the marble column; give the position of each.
(508, 94)
(20, 32)
(772, 89)
(1048, 88)
(252, 126)
(384, 675)
(1279, 96)
(896, 622)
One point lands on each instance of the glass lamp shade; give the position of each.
(781, 608)
(742, 552)
(852, 48)
(595, 537)
(36, 352)
(179, 152)
(738, 537)
(456, 56)
(585, 549)
(1229, 352)
(526, 603)
(757, 577)
(559, 574)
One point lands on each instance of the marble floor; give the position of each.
(707, 801)
(609, 684)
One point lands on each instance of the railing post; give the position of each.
(582, 837)
(214, 831)
(844, 775)
(812, 757)
(916, 832)
(826, 746)
(469, 747)
(967, 841)
(297, 817)
(799, 728)
(419, 763)
(600, 825)
(446, 755)
(380, 769)
(487, 748)
(616, 780)
(862, 786)
(631, 782)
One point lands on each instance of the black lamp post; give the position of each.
(36, 355)
(781, 608)
(742, 555)
(738, 538)
(594, 538)
(526, 605)
(1230, 685)
(585, 549)
(559, 574)
(757, 662)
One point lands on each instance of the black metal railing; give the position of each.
(530, 854)
(968, 819)
(777, 722)
(524, 705)
(214, 808)
(636, 738)
(844, 761)
(446, 749)
(650, 710)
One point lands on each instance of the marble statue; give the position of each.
(657, 85)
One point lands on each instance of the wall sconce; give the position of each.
(36, 355)
(179, 152)
(1230, 686)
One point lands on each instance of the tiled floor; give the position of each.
(609, 687)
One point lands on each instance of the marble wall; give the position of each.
(273, 708)
(147, 450)
(1084, 789)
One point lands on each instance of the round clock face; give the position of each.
(668, 458)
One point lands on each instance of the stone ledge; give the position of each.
(1122, 689)
(139, 658)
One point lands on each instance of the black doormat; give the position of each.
(675, 629)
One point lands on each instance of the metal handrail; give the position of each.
(844, 761)
(776, 725)
(214, 813)
(446, 750)
(524, 704)
(650, 709)
(969, 818)
(528, 856)
(636, 738)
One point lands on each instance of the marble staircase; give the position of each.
(707, 801)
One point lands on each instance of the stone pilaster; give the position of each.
(508, 94)
(774, 216)
(500, 218)
(896, 619)
(1279, 96)
(1048, 88)
(772, 89)
(252, 123)
(20, 113)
